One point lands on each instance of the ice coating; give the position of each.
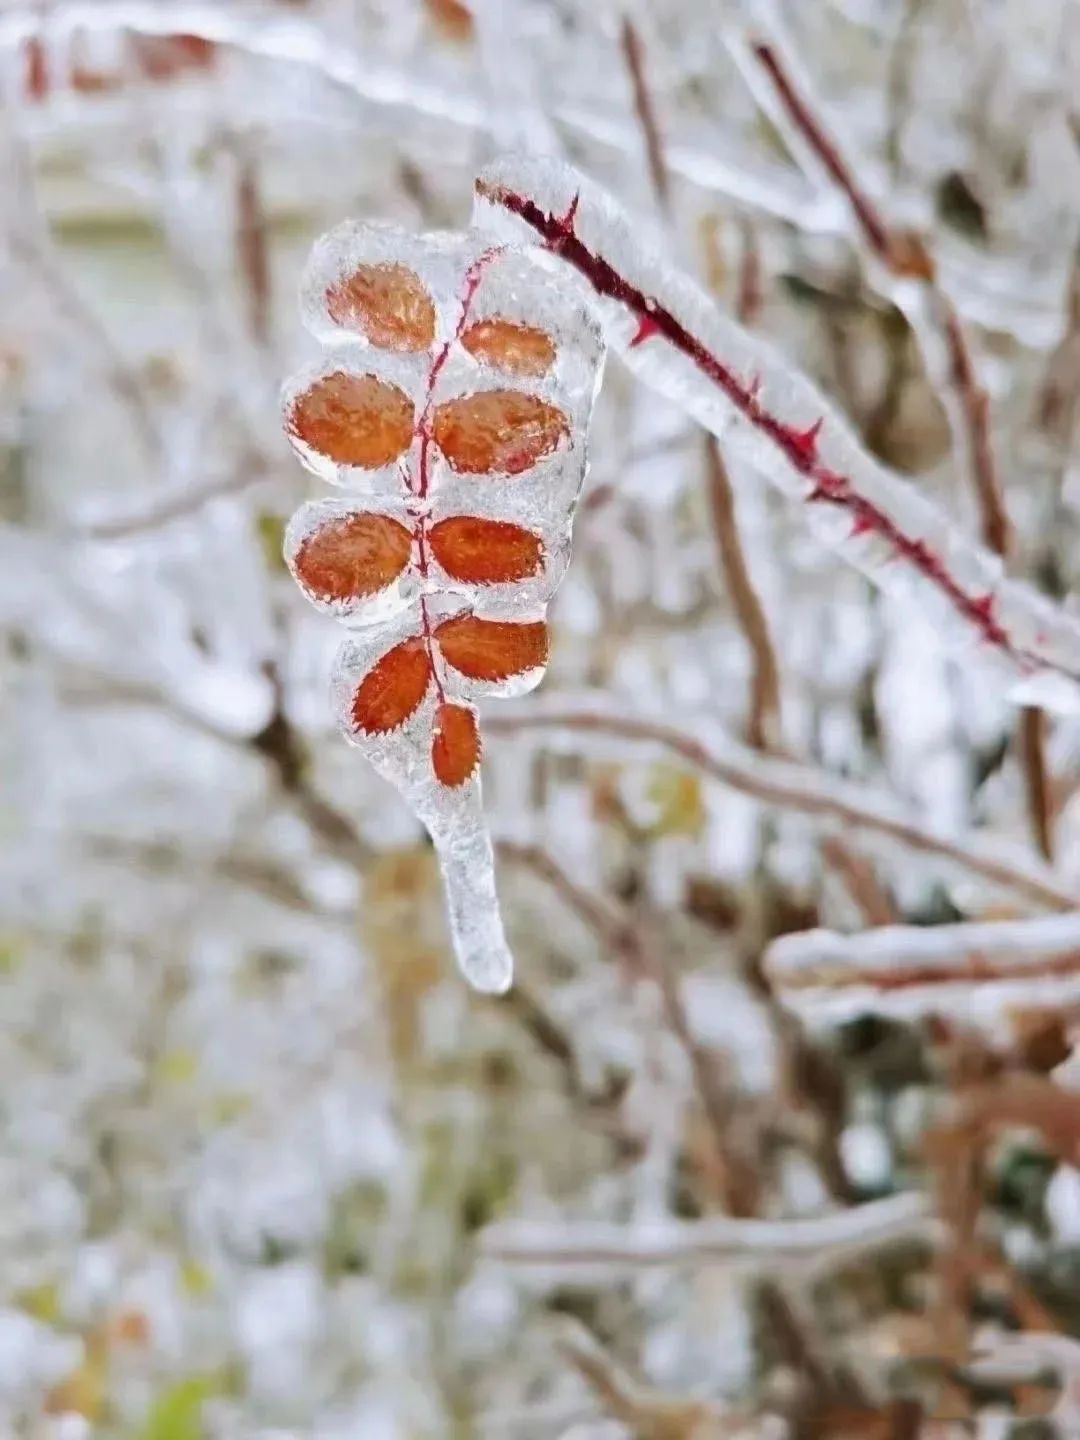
(677, 340)
(976, 972)
(451, 409)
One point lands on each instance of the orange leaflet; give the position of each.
(485, 552)
(393, 688)
(353, 556)
(492, 649)
(455, 745)
(501, 431)
(521, 349)
(353, 419)
(452, 17)
(388, 304)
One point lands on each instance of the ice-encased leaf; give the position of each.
(387, 303)
(352, 556)
(492, 649)
(455, 745)
(485, 552)
(393, 688)
(511, 346)
(353, 419)
(502, 431)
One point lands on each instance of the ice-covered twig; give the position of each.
(678, 342)
(250, 470)
(783, 784)
(673, 1242)
(1018, 1356)
(914, 285)
(974, 971)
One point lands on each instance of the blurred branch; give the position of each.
(977, 973)
(763, 728)
(251, 469)
(69, 305)
(626, 938)
(669, 1242)
(789, 786)
(634, 55)
(907, 259)
(648, 1413)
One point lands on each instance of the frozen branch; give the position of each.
(940, 332)
(782, 784)
(719, 1238)
(974, 971)
(678, 342)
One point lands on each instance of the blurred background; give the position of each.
(268, 1169)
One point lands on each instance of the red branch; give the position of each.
(419, 515)
(905, 256)
(799, 447)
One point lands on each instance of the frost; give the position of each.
(452, 410)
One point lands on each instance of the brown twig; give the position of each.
(763, 726)
(634, 55)
(251, 247)
(1039, 791)
(861, 881)
(751, 293)
(649, 1414)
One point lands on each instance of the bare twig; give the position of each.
(763, 727)
(634, 55)
(648, 1413)
(1039, 791)
(750, 296)
(861, 880)
(251, 247)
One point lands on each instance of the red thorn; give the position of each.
(863, 526)
(753, 391)
(647, 327)
(564, 225)
(983, 609)
(804, 442)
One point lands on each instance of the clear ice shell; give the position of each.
(469, 278)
